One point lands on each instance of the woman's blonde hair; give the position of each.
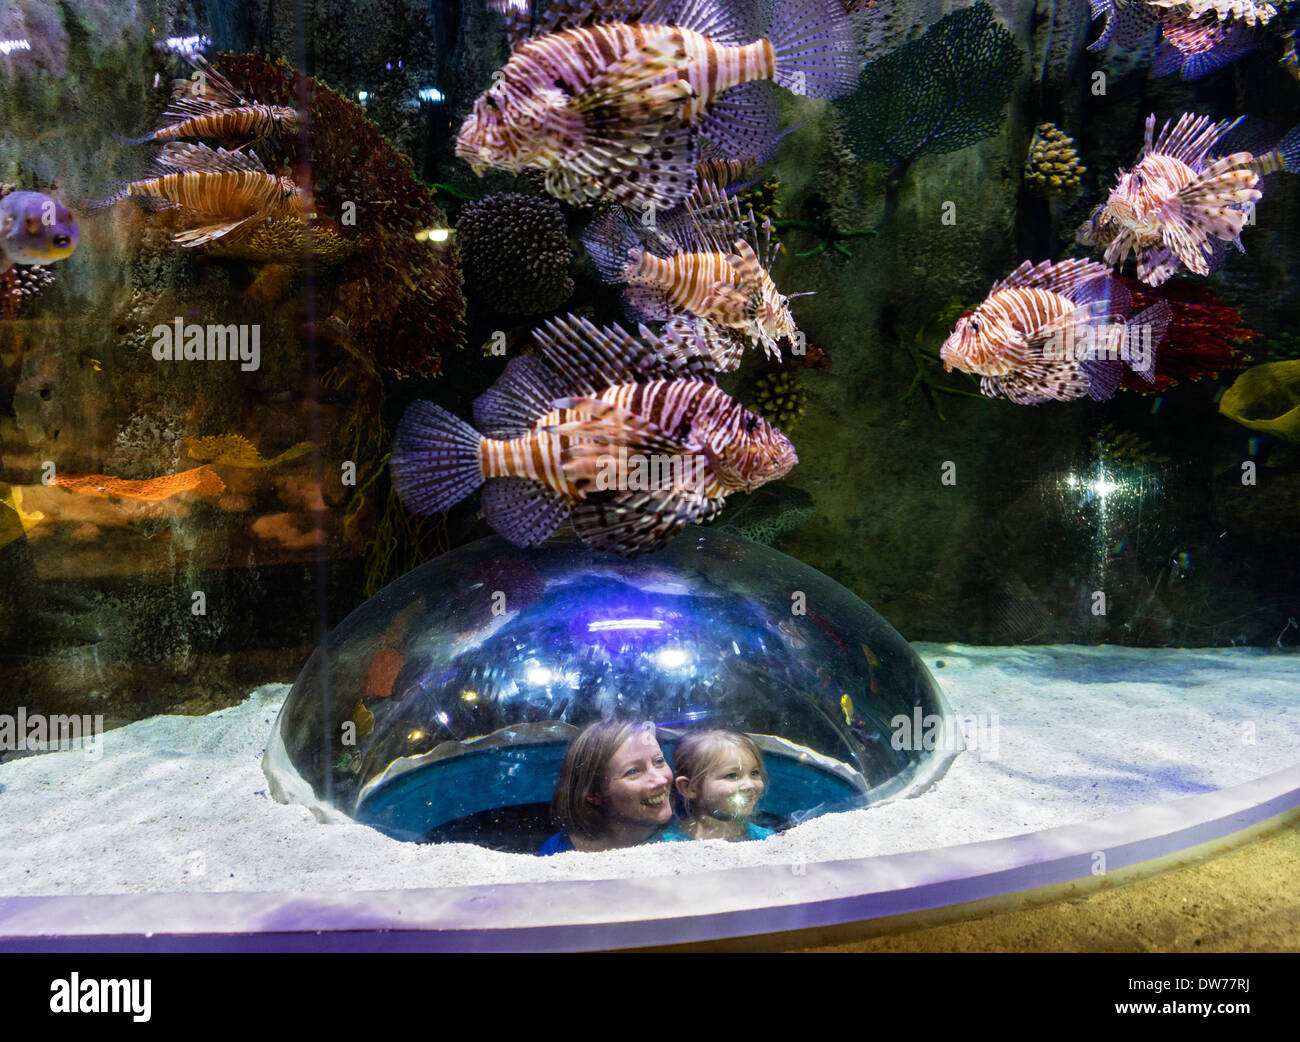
(697, 752)
(583, 775)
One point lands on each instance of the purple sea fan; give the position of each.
(938, 94)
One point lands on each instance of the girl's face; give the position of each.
(730, 788)
(637, 782)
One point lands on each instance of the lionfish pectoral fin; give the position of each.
(525, 512)
(645, 301)
(631, 523)
(725, 346)
(743, 121)
(205, 233)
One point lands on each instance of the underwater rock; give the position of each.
(1053, 166)
(1266, 398)
(702, 635)
(515, 252)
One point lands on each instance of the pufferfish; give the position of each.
(609, 98)
(35, 229)
(1180, 203)
(1056, 332)
(704, 267)
(630, 440)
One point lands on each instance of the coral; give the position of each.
(762, 198)
(1266, 398)
(515, 252)
(1204, 338)
(940, 93)
(768, 512)
(1112, 445)
(780, 398)
(1053, 166)
(399, 294)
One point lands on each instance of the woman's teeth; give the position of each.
(654, 801)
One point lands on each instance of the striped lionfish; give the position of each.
(1056, 332)
(229, 194)
(1181, 203)
(704, 269)
(1197, 36)
(630, 441)
(608, 98)
(208, 106)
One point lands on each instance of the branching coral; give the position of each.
(515, 252)
(940, 93)
(398, 293)
(1205, 337)
(923, 348)
(1053, 166)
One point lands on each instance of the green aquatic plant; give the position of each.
(923, 347)
(943, 92)
(402, 540)
(821, 222)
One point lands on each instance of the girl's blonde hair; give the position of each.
(583, 775)
(697, 752)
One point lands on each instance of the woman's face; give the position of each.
(637, 782)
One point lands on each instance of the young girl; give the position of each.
(720, 777)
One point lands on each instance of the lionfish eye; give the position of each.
(1137, 180)
(975, 326)
(751, 423)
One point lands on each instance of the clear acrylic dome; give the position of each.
(441, 708)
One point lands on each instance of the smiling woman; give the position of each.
(612, 790)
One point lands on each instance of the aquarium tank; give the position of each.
(655, 435)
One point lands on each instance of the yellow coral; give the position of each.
(1053, 166)
(781, 400)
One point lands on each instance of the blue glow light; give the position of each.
(432, 95)
(624, 624)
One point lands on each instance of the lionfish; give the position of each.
(1056, 332)
(1180, 203)
(608, 98)
(630, 440)
(1197, 36)
(208, 106)
(706, 270)
(230, 194)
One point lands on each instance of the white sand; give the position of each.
(180, 804)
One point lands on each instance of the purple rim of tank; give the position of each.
(632, 913)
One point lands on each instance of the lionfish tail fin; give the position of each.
(815, 51)
(1143, 335)
(435, 460)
